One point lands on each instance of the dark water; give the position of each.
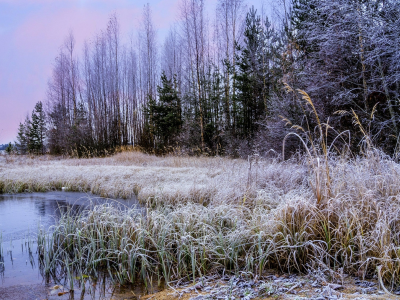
(21, 216)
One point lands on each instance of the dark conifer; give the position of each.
(37, 130)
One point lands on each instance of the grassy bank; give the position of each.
(168, 179)
(336, 218)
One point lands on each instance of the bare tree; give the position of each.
(194, 36)
(230, 20)
(148, 53)
(171, 62)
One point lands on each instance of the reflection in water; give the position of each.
(1, 263)
(41, 207)
(21, 216)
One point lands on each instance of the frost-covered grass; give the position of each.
(217, 214)
(167, 179)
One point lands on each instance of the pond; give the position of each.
(21, 216)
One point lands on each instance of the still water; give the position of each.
(21, 216)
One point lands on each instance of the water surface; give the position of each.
(21, 216)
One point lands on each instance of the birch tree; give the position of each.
(195, 37)
(230, 17)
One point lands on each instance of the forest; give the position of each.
(233, 83)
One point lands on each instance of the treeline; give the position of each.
(218, 86)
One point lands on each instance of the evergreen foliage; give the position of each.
(23, 137)
(165, 115)
(32, 133)
(10, 148)
(37, 130)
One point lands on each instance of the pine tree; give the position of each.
(147, 137)
(165, 116)
(22, 142)
(216, 121)
(37, 130)
(10, 148)
(249, 78)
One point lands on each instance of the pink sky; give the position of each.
(31, 32)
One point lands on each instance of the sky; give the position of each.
(32, 31)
